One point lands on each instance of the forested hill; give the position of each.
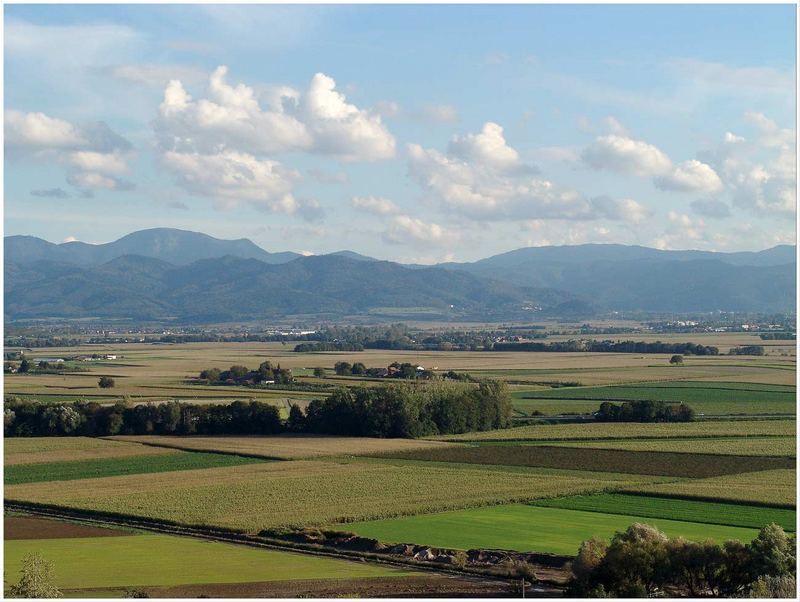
(232, 288)
(163, 273)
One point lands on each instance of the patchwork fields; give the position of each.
(541, 487)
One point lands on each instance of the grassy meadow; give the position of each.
(528, 528)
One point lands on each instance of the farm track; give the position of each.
(224, 536)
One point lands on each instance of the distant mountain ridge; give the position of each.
(165, 273)
(179, 247)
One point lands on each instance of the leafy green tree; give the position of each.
(24, 365)
(296, 422)
(342, 368)
(358, 369)
(36, 579)
(105, 382)
(319, 372)
(676, 360)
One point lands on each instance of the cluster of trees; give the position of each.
(643, 562)
(747, 350)
(397, 410)
(395, 370)
(334, 346)
(778, 336)
(610, 347)
(644, 411)
(241, 375)
(407, 411)
(29, 418)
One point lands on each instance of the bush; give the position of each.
(105, 382)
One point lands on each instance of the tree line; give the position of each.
(610, 347)
(642, 562)
(645, 410)
(241, 375)
(384, 411)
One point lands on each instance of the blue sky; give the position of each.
(415, 133)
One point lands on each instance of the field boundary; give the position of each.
(195, 450)
(708, 498)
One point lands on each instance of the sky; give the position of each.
(411, 133)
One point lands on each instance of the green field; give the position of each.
(528, 528)
(676, 509)
(713, 398)
(607, 460)
(111, 467)
(153, 560)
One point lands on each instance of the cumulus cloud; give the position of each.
(690, 176)
(482, 177)
(760, 171)
(94, 154)
(230, 177)
(320, 120)
(626, 155)
(40, 131)
(376, 205)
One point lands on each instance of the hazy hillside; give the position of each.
(235, 288)
(163, 273)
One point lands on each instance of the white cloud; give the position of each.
(230, 177)
(481, 177)
(690, 176)
(625, 155)
(488, 148)
(39, 131)
(321, 121)
(376, 205)
(107, 163)
(761, 171)
(341, 129)
(94, 154)
(404, 229)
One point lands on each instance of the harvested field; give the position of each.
(310, 492)
(34, 450)
(607, 460)
(527, 529)
(30, 527)
(164, 560)
(636, 430)
(771, 487)
(287, 447)
(109, 467)
(738, 446)
(676, 509)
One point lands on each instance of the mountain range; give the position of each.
(168, 274)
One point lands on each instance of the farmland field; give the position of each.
(310, 492)
(739, 446)
(288, 447)
(714, 398)
(527, 528)
(108, 467)
(608, 460)
(33, 450)
(612, 430)
(770, 487)
(163, 560)
(676, 509)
